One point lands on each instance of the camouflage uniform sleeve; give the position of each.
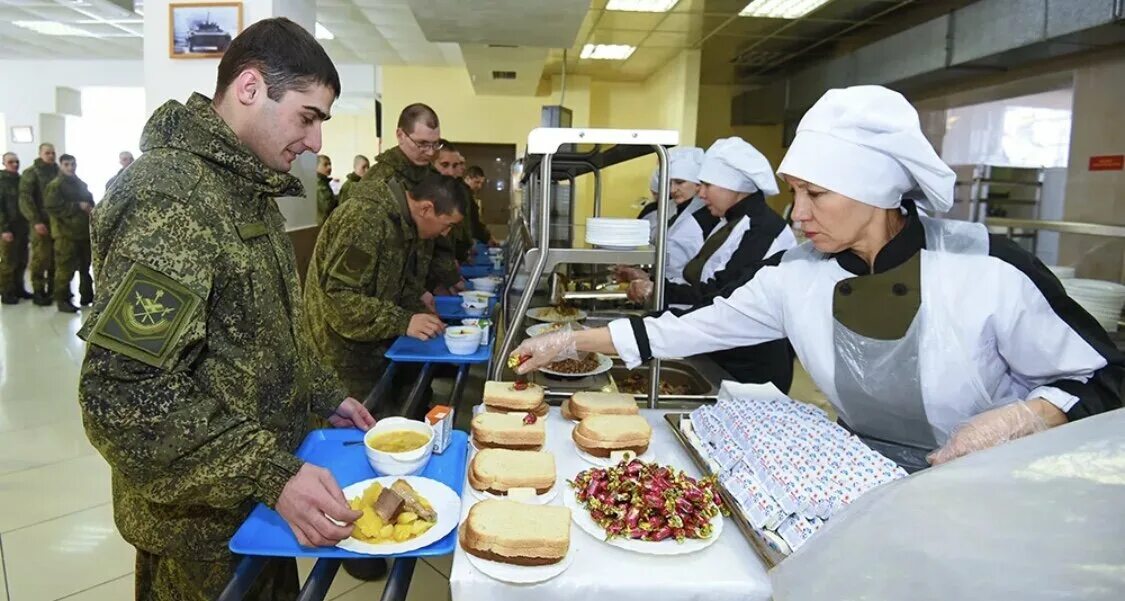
(345, 190)
(172, 441)
(5, 220)
(480, 230)
(29, 183)
(443, 266)
(325, 201)
(352, 263)
(57, 205)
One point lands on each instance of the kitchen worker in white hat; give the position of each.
(931, 338)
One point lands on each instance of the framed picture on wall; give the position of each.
(202, 30)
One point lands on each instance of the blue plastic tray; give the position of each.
(479, 271)
(264, 533)
(449, 307)
(411, 350)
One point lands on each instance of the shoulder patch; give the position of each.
(350, 266)
(146, 316)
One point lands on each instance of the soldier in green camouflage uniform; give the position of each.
(450, 162)
(68, 204)
(199, 377)
(360, 165)
(33, 188)
(326, 201)
(364, 283)
(13, 233)
(475, 179)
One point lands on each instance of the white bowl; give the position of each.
(495, 251)
(463, 340)
(485, 284)
(474, 308)
(476, 295)
(408, 463)
(475, 322)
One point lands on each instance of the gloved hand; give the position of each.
(989, 429)
(626, 273)
(538, 351)
(640, 290)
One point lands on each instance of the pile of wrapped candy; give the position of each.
(788, 467)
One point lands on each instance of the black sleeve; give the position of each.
(1102, 392)
(681, 294)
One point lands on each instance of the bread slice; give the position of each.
(508, 431)
(540, 411)
(504, 396)
(601, 435)
(498, 470)
(516, 533)
(584, 404)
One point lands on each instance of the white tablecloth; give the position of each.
(728, 570)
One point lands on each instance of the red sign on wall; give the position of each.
(1107, 162)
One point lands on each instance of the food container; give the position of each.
(463, 340)
(474, 308)
(485, 284)
(497, 262)
(484, 325)
(495, 251)
(407, 463)
(440, 418)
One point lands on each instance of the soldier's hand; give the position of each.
(7, 237)
(460, 286)
(429, 302)
(424, 326)
(352, 414)
(309, 503)
(41, 229)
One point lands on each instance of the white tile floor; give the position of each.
(57, 537)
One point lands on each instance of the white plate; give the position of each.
(542, 314)
(478, 293)
(444, 501)
(506, 572)
(604, 365)
(648, 457)
(542, 499)
(667, 546)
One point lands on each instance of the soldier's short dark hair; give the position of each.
(360, 157)
(287, 56)
(415, 114)
(67, 157)
(446, 145)
(474, 171)
(323, 158)
(44, 145)
(449, 194)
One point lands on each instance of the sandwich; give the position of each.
(515, 533)
(584, 404)
(508, 431)
(497, 471)
(515, 397)
(601, 435)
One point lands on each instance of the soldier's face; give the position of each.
(459, 166)
(68, 167)
(47, 154)
(283, 130)
(431, 224)
(126, 159)
(324, 168)
(475, 183)
(361, 169)
(446, 163)
(12, 163)
(420, 145)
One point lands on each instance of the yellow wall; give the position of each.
(346, 135)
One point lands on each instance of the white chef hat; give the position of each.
(865, 142)
(734, 164)
(684, 163)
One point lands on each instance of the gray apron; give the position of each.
(876, 332)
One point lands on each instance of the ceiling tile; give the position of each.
(609, 36)
(685, 22)
(659, 39)
(632, 21)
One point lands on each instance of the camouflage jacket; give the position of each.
(392, 165)
(480, 231)
(325, 198)
(10, 216)
(33, 191)
(68, 220)
(346, 189)
(365, 277)
(199, 375)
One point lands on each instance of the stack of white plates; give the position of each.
(617, 233)
(1100, 298)
(1061, 272)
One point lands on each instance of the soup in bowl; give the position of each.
(397, 446)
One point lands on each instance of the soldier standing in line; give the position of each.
(13, 234)
(33, 186)
(475, 179)
(199, 377)
(325, 199)
(125, 158)
(68, 203)
(360, 165)
(450, 162)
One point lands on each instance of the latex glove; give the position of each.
(352, 414)
(626, 273)
(640, 290)
(989, 429)
(539, 351)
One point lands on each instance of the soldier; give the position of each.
(69, 204)
(419, 140)
(33, 185)
(13, 234)
(125, 158)
(199, 377)
(360, 165)
(325, 198)
(474, 177)
(450, 162)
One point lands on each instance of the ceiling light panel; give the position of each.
(781, 9)
(609, 52)
(642, 6)
(53, 28)
(322, 32)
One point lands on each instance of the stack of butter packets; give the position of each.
(788, 467)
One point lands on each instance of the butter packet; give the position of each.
(440, 418)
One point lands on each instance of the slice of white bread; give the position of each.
(584, 404)
(540, 410)
(499, 470)
(600, 435)
(516, 533)
(508, 431)
(503, 395)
